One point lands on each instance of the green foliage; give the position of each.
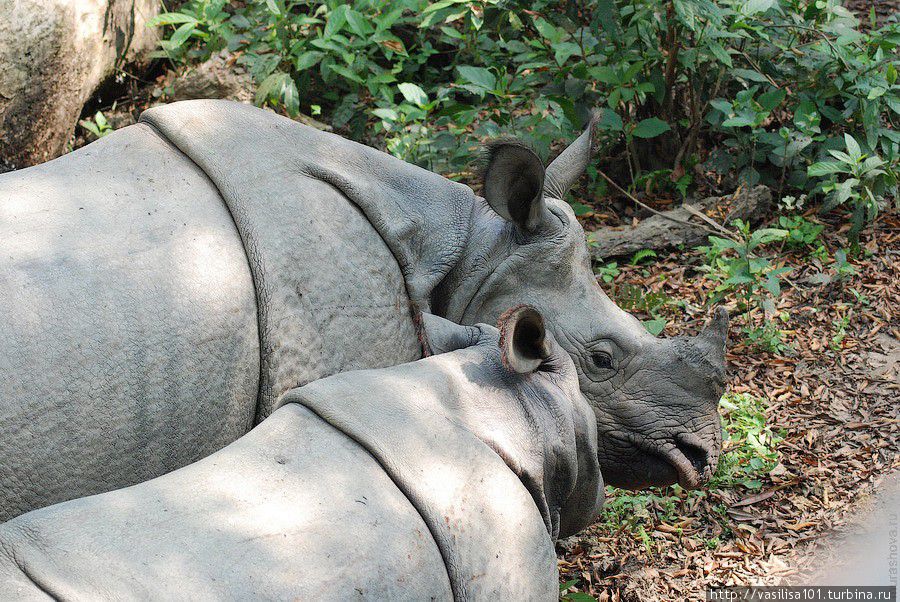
(800, 231)
(750, 443)
(98, 126)
(566, 596)
(767, 337)
(607, 272)
(863, 182)
(762, 89)
(737, 267)
(840, 269)
(641, 255)
(840, 332)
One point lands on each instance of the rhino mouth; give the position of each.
(690, 459)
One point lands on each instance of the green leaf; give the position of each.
(580, 209)
(650, 128)
(852, 147)
(641, 255)
(279, 88)
(655, 326)
(842, 156)
(386, 114)
(91, 127)
(347, 73)
(439, 5)
(171, 19)
(336, 20)
(824, 168)
(413, 93)
(307, 59)
(358, 23)
(772, 99)
(273, 7)
(181, 35)
(720, 53)
(478, 76)
(549, 31)
(766, 235)
(750, 75)
(751, 7)
(610, 120)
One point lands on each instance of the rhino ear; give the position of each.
(564, 171)
(439, 335)
(514, 183)
(523, 339)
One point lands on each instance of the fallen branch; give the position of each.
(667, 229)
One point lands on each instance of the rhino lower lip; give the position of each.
(689, 461)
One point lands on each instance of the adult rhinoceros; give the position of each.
(448, 478)
(164, 286)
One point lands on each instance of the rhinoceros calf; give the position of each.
(162, 288)
(446, 478)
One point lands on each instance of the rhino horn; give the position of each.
(711, 340)
(564, 171)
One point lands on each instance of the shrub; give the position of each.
(762, 90)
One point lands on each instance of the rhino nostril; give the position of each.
(696, 455)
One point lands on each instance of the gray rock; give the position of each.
(218, 77)
(53, 55)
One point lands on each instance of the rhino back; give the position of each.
(128, 344)
(294, 510)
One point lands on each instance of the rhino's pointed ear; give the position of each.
(523, 339)
(439, 335)
(514, 183)
(564, 171)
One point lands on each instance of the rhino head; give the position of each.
(655, 399)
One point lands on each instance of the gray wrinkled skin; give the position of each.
(447, 478)
(134, 306)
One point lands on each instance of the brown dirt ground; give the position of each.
(836, 398)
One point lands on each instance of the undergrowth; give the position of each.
(751, 90)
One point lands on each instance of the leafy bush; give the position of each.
(758, 88)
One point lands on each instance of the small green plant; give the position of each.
(857, 177)
(641, 255)
(750, 443)
(840, 269)
(635, 298)
(630, 510)
(736, 267)
(607, 272)
(840, 333)
(801, 231)
(767, 337)
(573, 596)
(860, 298)
(98, 126)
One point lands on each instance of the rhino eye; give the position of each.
(602, 360)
